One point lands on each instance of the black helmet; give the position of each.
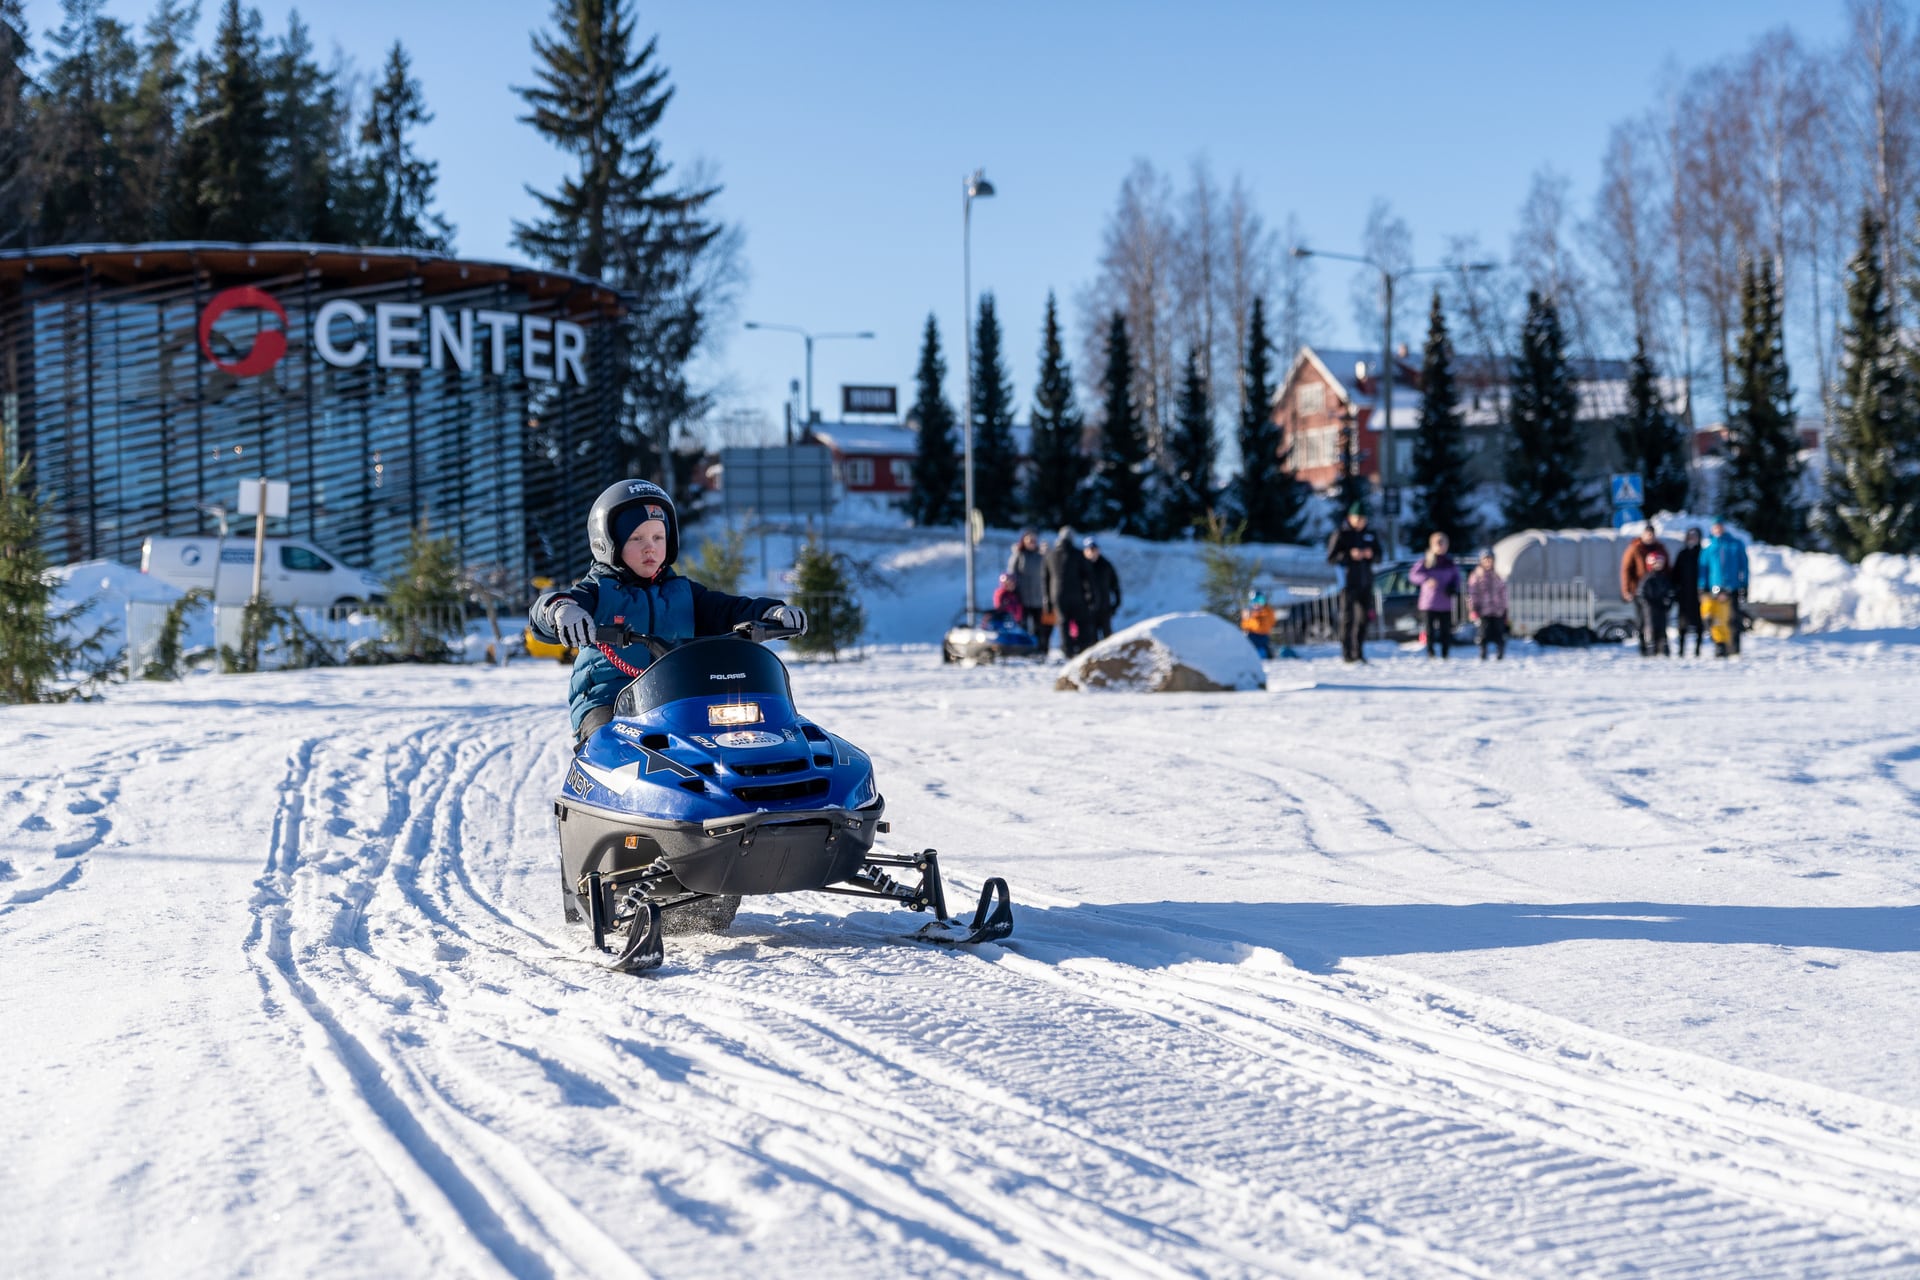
(626, 495)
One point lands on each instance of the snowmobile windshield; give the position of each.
(724, 667)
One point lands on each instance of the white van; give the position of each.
(297, 574)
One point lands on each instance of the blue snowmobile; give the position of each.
(708, 786)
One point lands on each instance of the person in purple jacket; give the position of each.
(1439, 581)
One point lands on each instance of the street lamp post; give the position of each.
(810, 337)
(1387, 278)
(975, 186)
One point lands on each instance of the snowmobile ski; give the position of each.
(644, 947)
(992, 920)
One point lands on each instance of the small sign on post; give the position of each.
(1624, 516)
(1628, 491)
(276, 496)
(261, 499)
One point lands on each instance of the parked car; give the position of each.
(296, 574)
(993, 636)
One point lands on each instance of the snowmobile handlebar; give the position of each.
(756, 630)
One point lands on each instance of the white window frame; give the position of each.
(859, 472)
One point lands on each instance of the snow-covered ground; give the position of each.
(1571, 965)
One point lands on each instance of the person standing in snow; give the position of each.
(1438, 578)
(1645, 582)
(1487, 606)
(1723, 576)
(1256, 619)
(1028, 566)
(1066, 592)
(634, 535)
(1354, 549)
(1686, 593)
(1102, 582)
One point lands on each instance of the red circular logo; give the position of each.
(268, 345)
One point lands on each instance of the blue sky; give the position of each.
(842, 133)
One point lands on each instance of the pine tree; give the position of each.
(1652, 441)
(1269, 495)
(1115, 492)
(400, 183)
(1872, 498)
(1763, 444)
(600, 98)
(38, 651)
(995, 456)
(223, 188)
(823, 586)
(1191, 491)
(1059, 466)
(17, 196)
(1439, 476)
(935, 498)
(1543, 458)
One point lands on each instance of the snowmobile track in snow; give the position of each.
(1037, 1108)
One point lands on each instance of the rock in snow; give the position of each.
(1174, 653)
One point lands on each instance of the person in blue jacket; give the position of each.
(1723, 577)
(634, 534)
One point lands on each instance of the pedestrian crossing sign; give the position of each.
(1627, 491)
(1624, 516)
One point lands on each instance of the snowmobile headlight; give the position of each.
(734, 713)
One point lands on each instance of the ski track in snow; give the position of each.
(1110, 1092)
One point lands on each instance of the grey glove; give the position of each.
(571, 623)
(787, 615)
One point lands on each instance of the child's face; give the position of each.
(645, 548)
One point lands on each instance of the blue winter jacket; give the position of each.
(1723, 564)
(671, 607)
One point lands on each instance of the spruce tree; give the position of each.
(935, 497)
(425, 597)
(1872, 498)
(1544, 454)
(1115, 493)
(1652, 441)
(1191, 491)
(1763, 443)
(17, 198)
(1351, 489)
(400, 183)
(1059, 466)
(599, 95)
(158, 113)
(83, 166)
(995, 456)
(1440, 483)
(223, 181)
(823, 586)
(1270, 497)
(39, 653)
(326, 196)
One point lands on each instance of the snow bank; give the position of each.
(1881, 593)
(105, 588)
(1177, 653)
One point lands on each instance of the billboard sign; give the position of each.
(870, 400)
(795, 480)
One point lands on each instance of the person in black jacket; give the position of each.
(1686, 593)
(1103, 591)
(1067, 592)
(1354, 549)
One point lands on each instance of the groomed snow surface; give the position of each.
(1571, 965)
